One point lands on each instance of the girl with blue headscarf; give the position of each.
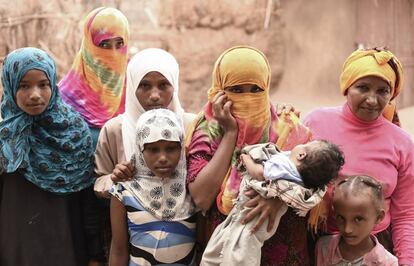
(46, 167)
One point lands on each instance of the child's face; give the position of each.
(356, 216)
(162, 157)
(154, 91)
(34, 92)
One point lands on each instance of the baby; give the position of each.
(298, 177)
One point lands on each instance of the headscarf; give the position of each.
(164, 198)
(53, 150)
(374, 62)
(94, 85)
(145, 61)
(255, 115)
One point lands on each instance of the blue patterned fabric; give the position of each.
(53, 150)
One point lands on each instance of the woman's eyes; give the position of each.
(144, 86)
(164, 85)
(105, 45)
(235, 89)
(161, 86)
(108, 44)
(43, 85)
(23, 86)
(119, 44)
(363, 88)
(384, 92)
(256, 89)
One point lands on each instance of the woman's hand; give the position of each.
(265, 208)
(222, 113)
(286, 108)
(123, 171)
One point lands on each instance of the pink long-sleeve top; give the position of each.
(379, 149)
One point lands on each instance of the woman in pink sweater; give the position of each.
(372, 144)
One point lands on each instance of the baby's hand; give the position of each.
(245, 158)
(123, 171)
(254, 169)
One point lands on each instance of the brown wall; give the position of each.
(306, 41)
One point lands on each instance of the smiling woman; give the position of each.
(368, 97)
(372, 145)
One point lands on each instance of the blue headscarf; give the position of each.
(53, 150)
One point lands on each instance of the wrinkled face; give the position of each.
(356, 216)
(162, 157)
(154, 91)
(243, 88)
(34, 92)
(115, 43)
(368, 97)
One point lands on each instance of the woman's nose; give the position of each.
(372, 99)
(155, 95)
(35, 94)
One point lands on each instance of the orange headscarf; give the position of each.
(94, 85)
(374, 62)
(256, 117)
(244, 65)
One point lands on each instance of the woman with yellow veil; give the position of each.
(239, 113)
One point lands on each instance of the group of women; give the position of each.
(56, 139)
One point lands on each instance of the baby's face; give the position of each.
(300, 151)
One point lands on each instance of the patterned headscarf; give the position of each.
(256, 117)
(95, 84)
(145, 61)
(165, 198)
(374, 62)
(53, 150)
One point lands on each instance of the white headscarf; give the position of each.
(165, 198)
(145, 61)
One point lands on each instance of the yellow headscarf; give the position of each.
(374, 62)
(256, 117)
(244, 65)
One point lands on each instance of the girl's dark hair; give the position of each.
(357, 184)
(321, 165)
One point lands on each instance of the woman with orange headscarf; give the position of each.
(239, 113)
(94, 86)
(370, 80)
